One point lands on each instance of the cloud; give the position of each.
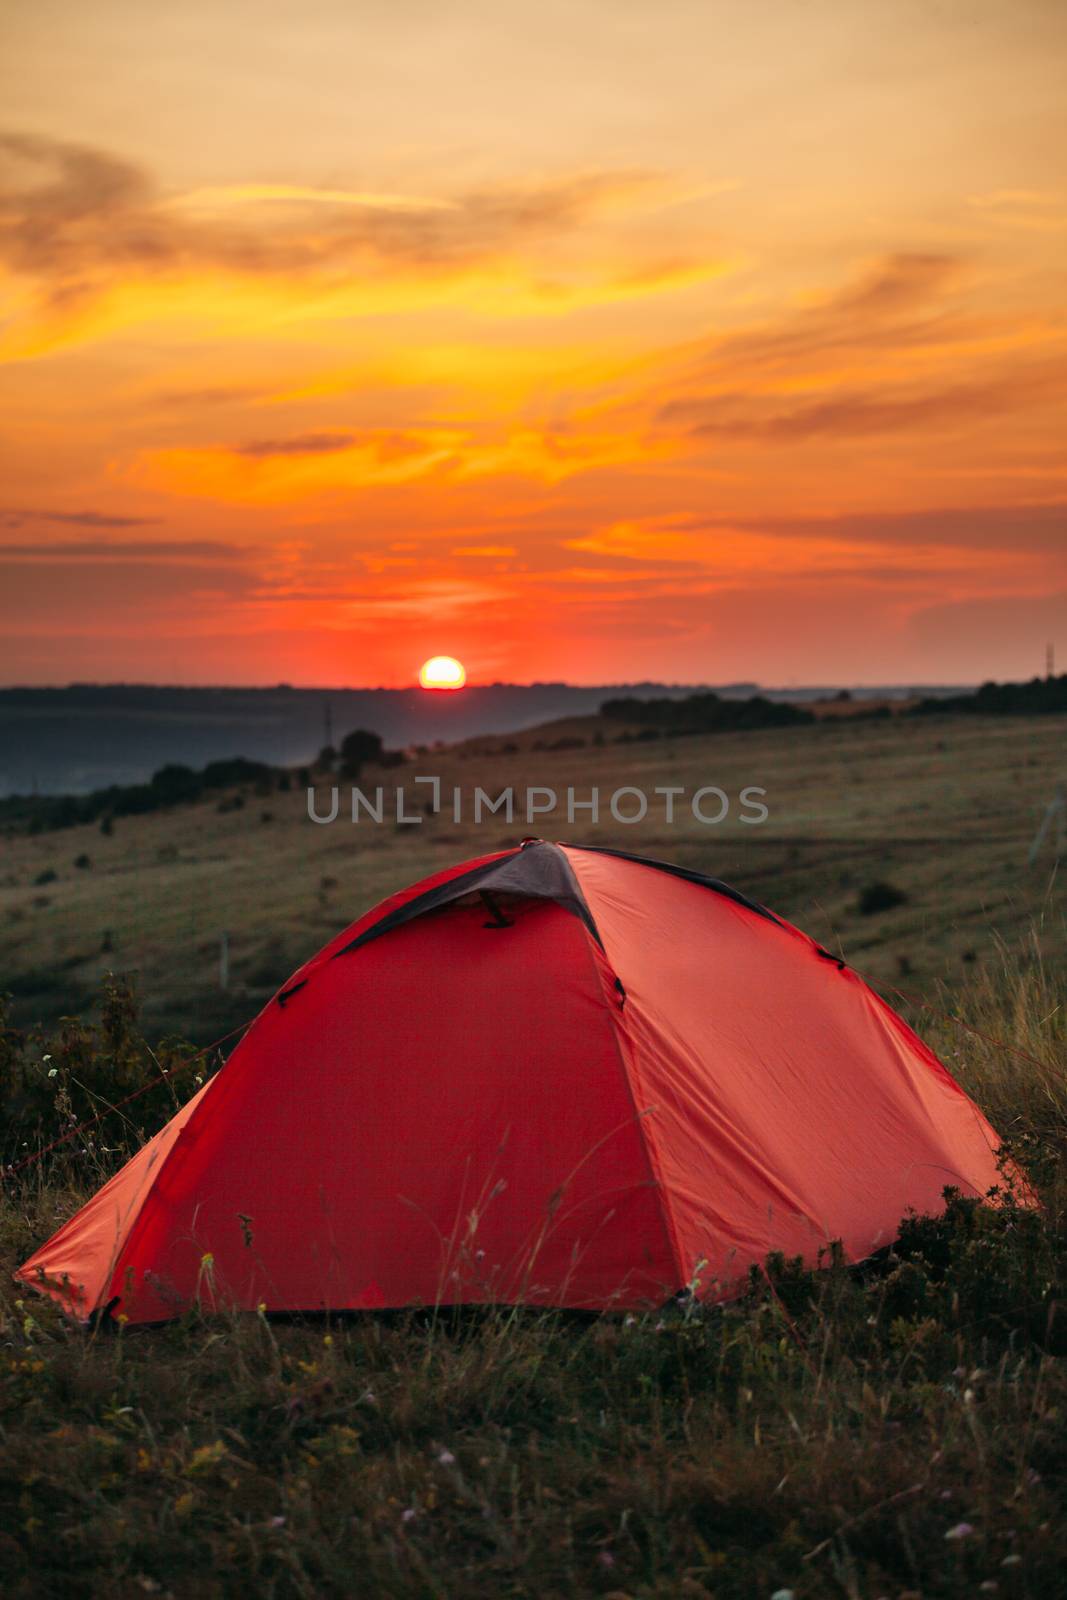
(891, 351)
(171, 551)
(1008, 530)
(15, 516)
(75, 217)
(381, 445)
(97, 591)
(224, 195)
(894, 284)
(210, 395)
(62, 205)
(1037, 528)
(283, 471)
(894, 303)
(1017, 545)
(303, 444)
(856, 413)
(1030, 210)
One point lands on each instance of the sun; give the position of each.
(442, 672)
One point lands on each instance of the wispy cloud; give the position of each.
(855, 413)
(897, 349)
(1029, 210)
(74, 216)
(221, 196)
(170, 552)
(1038, 528)
(16, 516)
(302, 444)
(897, 300)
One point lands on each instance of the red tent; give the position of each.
(557, 1075)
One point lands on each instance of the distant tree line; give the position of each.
(172, 785)
(176, 784)
(705, 713)
(1039, 697)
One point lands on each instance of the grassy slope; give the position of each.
(826, 1436)
(945, 809)
(898, 1434)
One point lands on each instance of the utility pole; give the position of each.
(1050, 660)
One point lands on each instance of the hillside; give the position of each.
(894, 1430)
(941, 810)
(843, 1434)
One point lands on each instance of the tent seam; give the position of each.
(619, 1036)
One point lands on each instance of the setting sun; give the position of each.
(442, 672)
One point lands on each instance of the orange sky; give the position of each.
(596, 340)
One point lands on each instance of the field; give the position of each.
(895, 1431)
(943, 810)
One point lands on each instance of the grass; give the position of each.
(895, 1431)
(892, 1432)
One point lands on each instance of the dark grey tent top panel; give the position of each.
(538, 870)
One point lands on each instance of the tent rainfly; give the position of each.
(557, 1075)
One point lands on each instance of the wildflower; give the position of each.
(479, 1255)
(52, 1071)
(606, 1558)
(207, 1259)
(1012, 1561)
(446, 1458)
(408, 1514)
(203, 1459)
(782, 1594)
(990, 1586)
(628, 1322)
(961, 1530)
(368, 1398)
(277, 1522)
